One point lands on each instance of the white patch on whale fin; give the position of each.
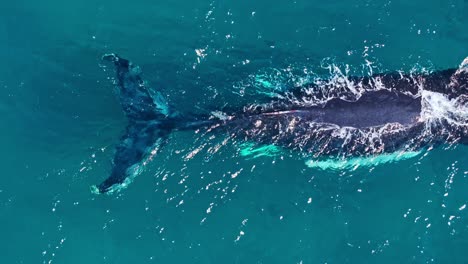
(253, 151)
(161, 103)
(358, 162)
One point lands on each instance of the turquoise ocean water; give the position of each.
(202, 201)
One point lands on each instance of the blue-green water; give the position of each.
(209, 202)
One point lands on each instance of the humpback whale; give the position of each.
(357, 116)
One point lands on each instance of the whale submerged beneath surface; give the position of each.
(356, 117)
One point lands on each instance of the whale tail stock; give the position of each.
(150, 122)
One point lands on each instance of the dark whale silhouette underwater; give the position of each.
(391, 112)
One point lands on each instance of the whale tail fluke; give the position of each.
(150, 122)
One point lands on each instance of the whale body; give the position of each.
(392, 112)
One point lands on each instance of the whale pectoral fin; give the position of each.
(134, 147)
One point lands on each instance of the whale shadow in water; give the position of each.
(393, 112)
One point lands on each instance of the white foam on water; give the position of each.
(436, 107)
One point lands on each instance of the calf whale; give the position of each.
(390, 112)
